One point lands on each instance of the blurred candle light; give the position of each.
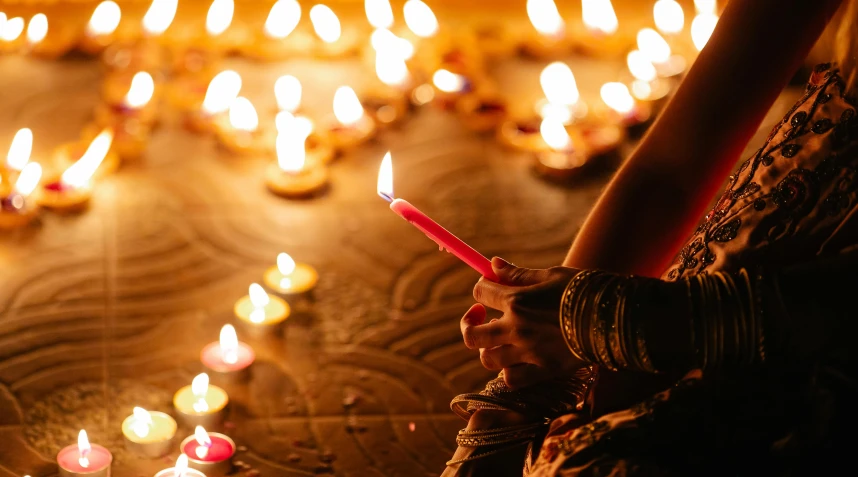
(291, 177)
(420, 19)
(141, 90)
(448, 82)
(282, 19)
(20, 149)
(257, 294)
(291, 157)
(640, 66)
(287, 91)
(379, 13)
(347, 107)
(617, 97)
(12, 29)
(219, 16)
(221, 92)
(289, 277)
(545, 17)
(159, 16)
(204, 442)
(704, 22)
(668, 16)
(391, 70)
(27, 181)
(385, 41)
(599, 16)
(15, 210)
(229, 344)
(228, 359)
(180, 469)
(242, 115)
(79, 174)
(325, 23)
(37, 29)
(651, 44)
(554, 134)
(104, 20)
(561, 92)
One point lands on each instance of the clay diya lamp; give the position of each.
(548, 37)
(101, 28)
(634, 116)
(46, 42)
(240, 132)
(17, 208)
(68, 154)
(333, 40)
(72, 191)
(351, 126)
(317, 148)
(135, 104)
(281, 37)
(292, 176)
(222, 90)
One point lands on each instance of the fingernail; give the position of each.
(499, 263)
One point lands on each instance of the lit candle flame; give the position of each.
(651, 44)
(242, 115)
(379, 13)
(558, 84)
(390, 69)
(20, 149)
(259, 299)
(287, 91)
(203, 440)
(83, 449)
(420, 19)
(286, 122)
(37, 29)
(347, 107)
(669, 17)
(385, 41)
(12, 29)
(141, 90)
(545, 17)
(27, 181)
(105, 18)
(617, 96)
(640, 66)
(142, 422)
(448, 82)
(222, 92)
(291, 152)
(554, 134)
(228, 344)
(159, 16)
(706, 6)
(384, 186)
(181, 466)
(219, 16)
(200, 388)
(79, 173)
(325, 23)
(701, 29)
(285, 263)
(282, 19)
(599, 16)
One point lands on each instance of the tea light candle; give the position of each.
(180, 470)
(333, 40)
(562, 100)
(72, 191)
(15, 208)
(11, 35)
(291, 176)
(84, 459)
(149, 434)
(352, 127)
(287, 92)
(565, 159)
(101, 27)
(646, 86)
(317, 149)
(549, 37)
(228, 357)
(634, 116)
(289, 277)
(281, 37)
(209, 452)
(239, 131)
(222, 91)
(260, 312)
(200, 404)
(136, 104)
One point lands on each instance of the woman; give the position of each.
(756, 312)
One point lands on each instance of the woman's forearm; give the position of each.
(657, 197)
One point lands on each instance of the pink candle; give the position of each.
(228, 355)
(445, 240)
(209, 452)
(84, 459)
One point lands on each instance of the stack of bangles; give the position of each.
(605, 319)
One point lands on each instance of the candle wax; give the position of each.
(99, 458)
(301, 280)
(163, 428)
(220, 450)
(212, 357)
(215, 397)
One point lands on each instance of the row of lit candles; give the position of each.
(202, 405)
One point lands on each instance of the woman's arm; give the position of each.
(657, 198)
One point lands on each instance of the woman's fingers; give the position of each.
(488, 335)
(500, 357)
(492, 295)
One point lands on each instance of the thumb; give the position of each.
(509, 274)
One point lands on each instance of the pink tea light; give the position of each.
(84, 459)
(228, 357)
(445, 240)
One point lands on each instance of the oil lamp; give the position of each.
(669, 17)
(72, 191)
(564, 159)
(646, 86)
(221, 92)
(101, 28)
(317, 149)
(388, 103)
(239, 131)
(218, 20)
(135, 104)
(420, 19)
(450, 88)
(352, 126)
(19, 150)
(292, 176)
(16, 209)
(281, 36)
(333, 40)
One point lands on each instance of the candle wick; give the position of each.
(386, 197)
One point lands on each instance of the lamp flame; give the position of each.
(285, 263)
(545, 17)
(448, 82)
(141, 90)
(28, 179)
(12, 29)
(20, 149)
(37, 29)
(222, 92)
(105, 18)
(384, 186)
(291, 154)
(282, 19)
(242, 115)
(640, 66)
(325, 23)
(617, 96)
(558, 84)
(204, 441)
(200, 385)
(651, 44)
(420, 19)
(384, 41)
(599, 15)
(554, 134)
(390, 69)
(160, 16)
(79, 173)
(287, 90)
(181, 466)
(83, 449)
(379, 13)
(669, 17)
(347, 107)
(142, 422)
(299, 126)
(701, 29)
(219, 16)
(228, 344)
(706, 6)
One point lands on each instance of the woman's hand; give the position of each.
(526, 342)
